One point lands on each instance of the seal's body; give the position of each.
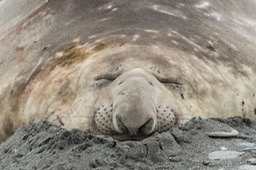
(126, 69)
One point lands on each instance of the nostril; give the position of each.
(140, 126)
(121, 125)
(146, 128)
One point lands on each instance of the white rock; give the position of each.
(247, 167)
(232, 133)
(224, 155)
(223, 148)
(252, 161)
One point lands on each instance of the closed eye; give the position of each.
(169, 81)
(109, 77)
(165, 80)
(171, 84)
(105, 80)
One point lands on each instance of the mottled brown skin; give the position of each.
(130, 80)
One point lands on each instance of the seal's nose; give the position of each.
(134, 105)
(144, 127)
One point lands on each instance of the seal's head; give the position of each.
(134, 104)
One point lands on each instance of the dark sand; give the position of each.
(43, 146)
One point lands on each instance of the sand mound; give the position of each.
(198, 144)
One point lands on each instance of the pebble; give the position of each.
(223, 148)
(175, 159)
(222, 134)
(221, 155)
(252, 161)
(247, 167)
(248, 146)
(249, 149)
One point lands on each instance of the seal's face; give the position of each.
(134, 103)
(134, 96)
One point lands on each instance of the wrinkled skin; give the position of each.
(126, 69)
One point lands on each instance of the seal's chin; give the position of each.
(129, 137)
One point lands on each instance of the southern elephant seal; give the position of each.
(125, 68)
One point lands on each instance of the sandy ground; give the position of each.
(198, 144)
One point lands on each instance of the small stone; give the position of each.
(221, 155)
(248, 144)
(249, 149)
(247, 167)
(175, 159)
(252, 161)
(222, 134)
(206, 162)
(223, 148)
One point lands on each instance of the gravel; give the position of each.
(44, 146)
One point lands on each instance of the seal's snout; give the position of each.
(144, 127)
(134, 111)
